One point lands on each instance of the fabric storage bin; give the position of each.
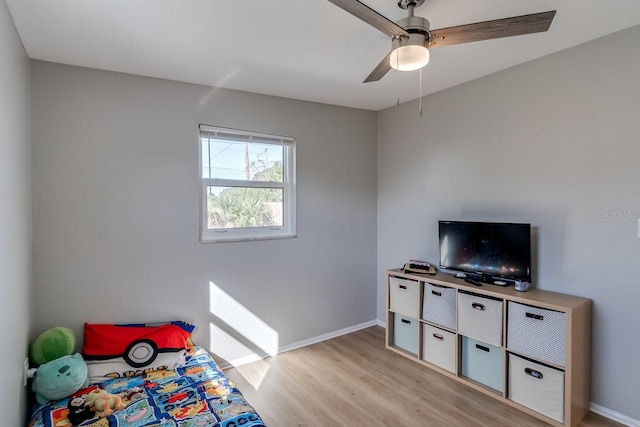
(537, 332)
(483, 363)
(536, 386)
(439, 347)
(439, 305)
(406, 333)
(480, 317)
(404, 296)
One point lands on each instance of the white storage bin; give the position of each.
(480, 317)
(483, 363)
(439, 305)
(406, 332)
(404, 296)
(536, 386)
(439, 347)
(537, 332)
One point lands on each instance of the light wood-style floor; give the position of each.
(353, 381)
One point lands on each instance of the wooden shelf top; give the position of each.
(544, 299)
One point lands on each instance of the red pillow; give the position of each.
(113, 351)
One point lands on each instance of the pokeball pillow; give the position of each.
(114, 351)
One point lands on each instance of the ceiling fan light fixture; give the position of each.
(409, 58)
(415, 33)
(409, 53)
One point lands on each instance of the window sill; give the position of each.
(246, 239)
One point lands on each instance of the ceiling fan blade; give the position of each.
(507, 27)
(381, 69)
(371, 17)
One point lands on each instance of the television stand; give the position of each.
(530, 350)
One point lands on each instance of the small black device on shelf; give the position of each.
(472, 281)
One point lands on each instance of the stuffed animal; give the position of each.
(103, 402)
(60, 378)
(61, 373)
(78, 410)
(52, 344)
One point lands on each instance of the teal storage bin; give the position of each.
(483, 363)
(406, 333)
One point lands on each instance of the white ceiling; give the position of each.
(302, 49)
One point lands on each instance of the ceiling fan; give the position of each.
(411, 37)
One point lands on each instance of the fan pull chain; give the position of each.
(397, 84)
(420, 94)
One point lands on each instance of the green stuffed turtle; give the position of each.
(52, 344)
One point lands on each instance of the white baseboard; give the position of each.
(299, 344)
(326, 336)
(613, 415)
(600, 410)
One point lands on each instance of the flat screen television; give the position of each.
(490, 250)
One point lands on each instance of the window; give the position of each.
(248, 185)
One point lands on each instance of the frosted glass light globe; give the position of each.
(409, 58)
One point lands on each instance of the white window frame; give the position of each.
(288, 230)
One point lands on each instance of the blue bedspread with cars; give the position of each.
(196, 394)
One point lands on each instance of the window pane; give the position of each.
(226, 159)
(240, 207)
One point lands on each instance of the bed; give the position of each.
(193, 393)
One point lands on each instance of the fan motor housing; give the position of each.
(415, 24)
(414, 39)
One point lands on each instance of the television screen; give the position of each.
(499, 250)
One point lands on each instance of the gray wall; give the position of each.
(553, 142)
(116, 211)
(15, 218)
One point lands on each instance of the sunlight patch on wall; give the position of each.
(240, 337)
(229, 348)
(243, 321)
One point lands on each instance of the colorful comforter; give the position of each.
(197, 394)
